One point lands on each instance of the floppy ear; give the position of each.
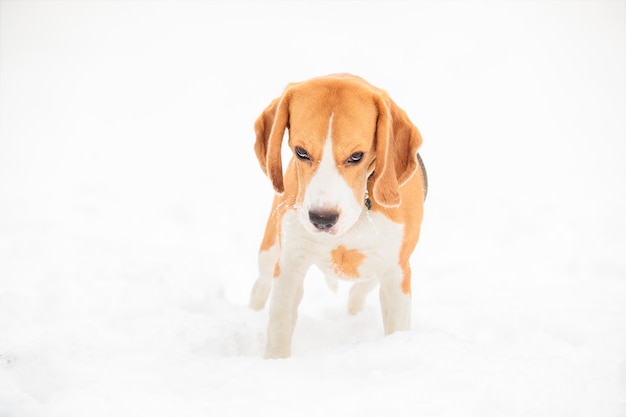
(270, 128)
(397, 143)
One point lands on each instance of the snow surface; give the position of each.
(132, 207)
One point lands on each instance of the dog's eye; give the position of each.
(355, 158)
(302, 154)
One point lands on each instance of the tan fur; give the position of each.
(374, 122)
(346, 262)
(364, 119)
(371, 117)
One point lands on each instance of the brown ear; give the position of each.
(397, 143)
(270, 128)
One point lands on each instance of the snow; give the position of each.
(132, 207)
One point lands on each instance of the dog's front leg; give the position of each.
(394, 303)
(263, 284)
(286, 297)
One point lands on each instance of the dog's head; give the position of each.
(341, 131)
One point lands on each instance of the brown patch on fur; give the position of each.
(397, 143)
(346, 262)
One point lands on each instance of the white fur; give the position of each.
(374, 235)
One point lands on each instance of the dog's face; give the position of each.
(341, 130)
(333, 148)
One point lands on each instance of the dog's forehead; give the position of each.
(330, 95)
(351, 105)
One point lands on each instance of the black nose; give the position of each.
(323, 220)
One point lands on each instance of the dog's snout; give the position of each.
(323, 220)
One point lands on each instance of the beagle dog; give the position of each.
(350, 202)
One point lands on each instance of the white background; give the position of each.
(132, 207)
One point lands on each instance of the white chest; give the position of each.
(367, 249)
